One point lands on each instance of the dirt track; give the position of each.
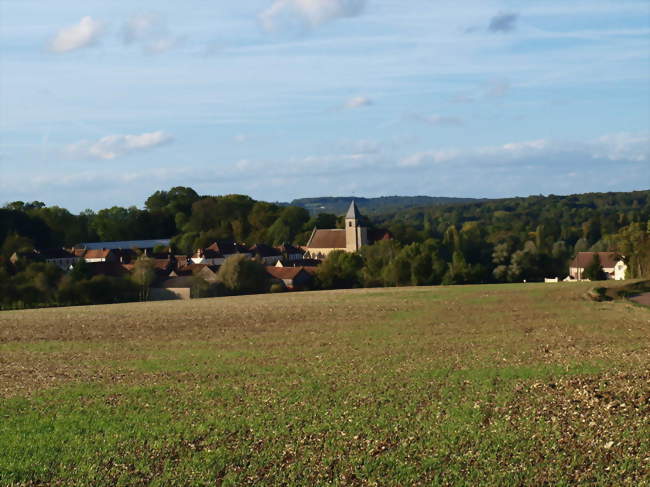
(643, 299)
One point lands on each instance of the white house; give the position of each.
(611, 263)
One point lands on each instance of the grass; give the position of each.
(467, 385)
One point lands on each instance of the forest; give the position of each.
(486, 241)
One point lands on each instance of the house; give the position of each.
(611, 262)
(172, 288)
(266, 254)
(293, 278)
(98, 255)
(349, 239)
(218, 252)
(205, 272)
(290, 253)
(308, 263)
(62, 258)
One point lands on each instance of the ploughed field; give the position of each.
(467, 385)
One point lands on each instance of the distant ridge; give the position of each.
(339, 204)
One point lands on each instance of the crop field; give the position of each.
(501, 385)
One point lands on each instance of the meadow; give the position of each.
(522, 384)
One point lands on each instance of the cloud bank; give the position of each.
(615, 147)
(115, 146)
(77, 36)
(302, 15)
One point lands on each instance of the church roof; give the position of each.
(327, 239)
(353, 212)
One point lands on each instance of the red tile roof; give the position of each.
(97, 253)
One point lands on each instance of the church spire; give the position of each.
(353, 212)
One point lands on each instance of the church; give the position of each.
(349, 239)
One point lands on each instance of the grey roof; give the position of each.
(353, 212)
(126, 244)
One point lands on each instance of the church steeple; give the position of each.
(353, 212)
(355, 235)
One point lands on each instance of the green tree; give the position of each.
(340, 270)
(242, 275)
(633, 242)
(375, 259)
(143, 275)
(594, 271)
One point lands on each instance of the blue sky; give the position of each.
(102, 103)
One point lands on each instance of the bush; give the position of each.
(340, 270)
(241, 275)
(277, 288)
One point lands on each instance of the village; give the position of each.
(288, 267)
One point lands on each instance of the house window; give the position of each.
(349, 224)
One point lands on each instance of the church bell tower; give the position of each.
(355, 235)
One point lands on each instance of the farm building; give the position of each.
(611, 262)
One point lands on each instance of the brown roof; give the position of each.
(181, 260)
(228, 247)
(97, 253)
(607, 259)
(327, 239)
(284, 272)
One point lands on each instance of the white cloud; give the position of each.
(438, 120)
(358, 102)
(83, 34)
(114, 146)
(151, 32)
(430, 157)
(617, 147)
(300, 15)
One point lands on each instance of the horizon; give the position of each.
(351, 198)
(102, 104)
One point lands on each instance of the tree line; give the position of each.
(507, 240)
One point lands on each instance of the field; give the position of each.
(467, 385)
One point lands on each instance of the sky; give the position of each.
(103, 103)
